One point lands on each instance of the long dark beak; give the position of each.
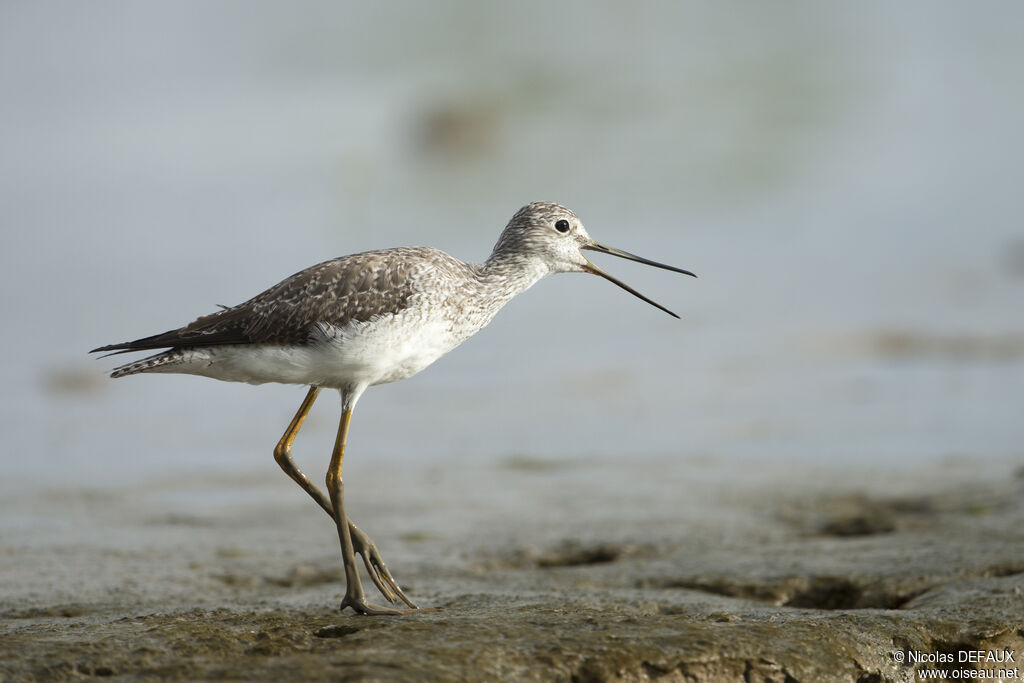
(605, 249)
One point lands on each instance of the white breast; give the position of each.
(385, 349)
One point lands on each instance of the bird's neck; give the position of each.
(490, 287)
(507, 274)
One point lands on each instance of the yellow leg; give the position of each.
(362, 544)
(354, 595)
(283, 453)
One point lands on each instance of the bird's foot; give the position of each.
(359, 605)
(378, 571)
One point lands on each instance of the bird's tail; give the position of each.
(157, 363)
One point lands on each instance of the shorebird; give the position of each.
(366, 319)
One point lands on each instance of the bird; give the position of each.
(365, 319)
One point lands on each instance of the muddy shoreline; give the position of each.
(533, 570)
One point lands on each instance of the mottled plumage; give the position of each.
(366, 319)
(349, 288)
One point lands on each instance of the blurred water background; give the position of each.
(846, 180)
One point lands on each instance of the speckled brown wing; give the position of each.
(350, 288)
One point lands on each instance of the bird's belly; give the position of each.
(381, 351)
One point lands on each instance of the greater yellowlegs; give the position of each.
(366, 319)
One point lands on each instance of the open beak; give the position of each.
(604, 249)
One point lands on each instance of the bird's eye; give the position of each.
(562, 225)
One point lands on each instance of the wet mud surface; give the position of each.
(697, 572)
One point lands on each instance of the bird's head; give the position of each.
(554, 236)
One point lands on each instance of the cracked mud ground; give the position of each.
(635, 569)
